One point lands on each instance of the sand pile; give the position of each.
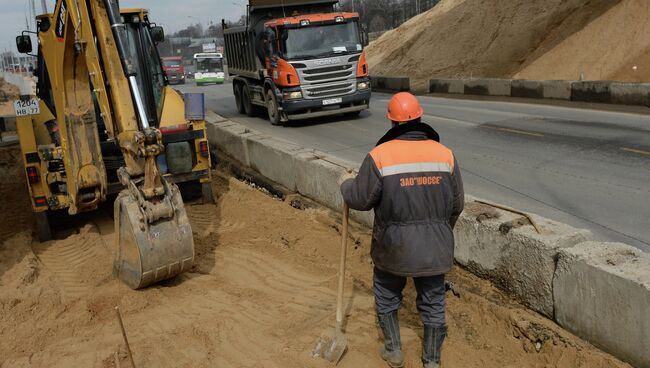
(262, 291)
(554, 39)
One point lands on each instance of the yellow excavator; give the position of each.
(104, 120)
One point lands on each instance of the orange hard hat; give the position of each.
(404, 107)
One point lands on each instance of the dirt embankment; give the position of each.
(261, 293)
(554, 39)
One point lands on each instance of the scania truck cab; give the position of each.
(298, 60)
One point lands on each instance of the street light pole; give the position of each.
(44, 6)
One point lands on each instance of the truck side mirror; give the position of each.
(365, 39)
(158, 34)
(24, 44)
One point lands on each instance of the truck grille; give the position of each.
(337, 79)
(330, 90)
(327, 76)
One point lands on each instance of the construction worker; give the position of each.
(414, 185)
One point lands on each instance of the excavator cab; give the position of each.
(104, 120)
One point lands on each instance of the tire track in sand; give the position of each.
(238, 314)
(205, 221)
(65, 258)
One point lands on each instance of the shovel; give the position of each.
(331, 345)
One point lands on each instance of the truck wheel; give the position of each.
(246, 101)
(272, 107)
(43, 229)
(238, 98)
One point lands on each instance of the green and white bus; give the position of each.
(209, 68)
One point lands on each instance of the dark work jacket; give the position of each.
(415, 187)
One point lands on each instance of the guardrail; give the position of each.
(599, 291)
(584, 91)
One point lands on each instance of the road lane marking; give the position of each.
(516, 131)
(633, 150)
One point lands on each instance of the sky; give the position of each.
(173, 15)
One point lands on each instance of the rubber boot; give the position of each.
(432, 345)
(392, 350)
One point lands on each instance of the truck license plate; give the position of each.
(27, 107)
(332, 101)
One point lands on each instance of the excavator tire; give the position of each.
(151, 252)
(43, 229)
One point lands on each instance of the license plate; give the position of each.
(27, 107)
(332, 101)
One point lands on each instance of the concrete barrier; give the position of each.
(527, 89)
(591, 91)
(518, 260)
(583, 91)
(630, 93)
(557, 89)
(274, 159)
(549, 89)
(229, 137)
(488, 87)
(392, 84)
(604, 298)
(452, 86)
(602, 294)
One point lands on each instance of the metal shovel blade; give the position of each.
(331, 345)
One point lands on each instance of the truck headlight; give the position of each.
(363, 85)
(292, 95)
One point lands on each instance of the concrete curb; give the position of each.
(518, 260)
(549, 272)
(602, 294)
(391, 84)
(584, 91)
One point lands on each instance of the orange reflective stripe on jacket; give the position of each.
(402, 157)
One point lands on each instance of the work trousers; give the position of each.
(430, 300)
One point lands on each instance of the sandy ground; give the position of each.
(554, 39)
(262, 291)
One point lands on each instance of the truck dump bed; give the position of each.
(240, 51)
(241, 43)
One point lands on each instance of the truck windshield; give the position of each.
(144, 55)
(208, 65)
(171, 63)
(322, 41)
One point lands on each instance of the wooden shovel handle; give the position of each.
(344, 249)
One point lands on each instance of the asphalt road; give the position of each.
(587, 168)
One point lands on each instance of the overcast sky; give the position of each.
(172, 14)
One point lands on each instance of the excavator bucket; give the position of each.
(154, 241)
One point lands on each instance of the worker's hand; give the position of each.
(346, 176)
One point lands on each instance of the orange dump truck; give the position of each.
(298, 59)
